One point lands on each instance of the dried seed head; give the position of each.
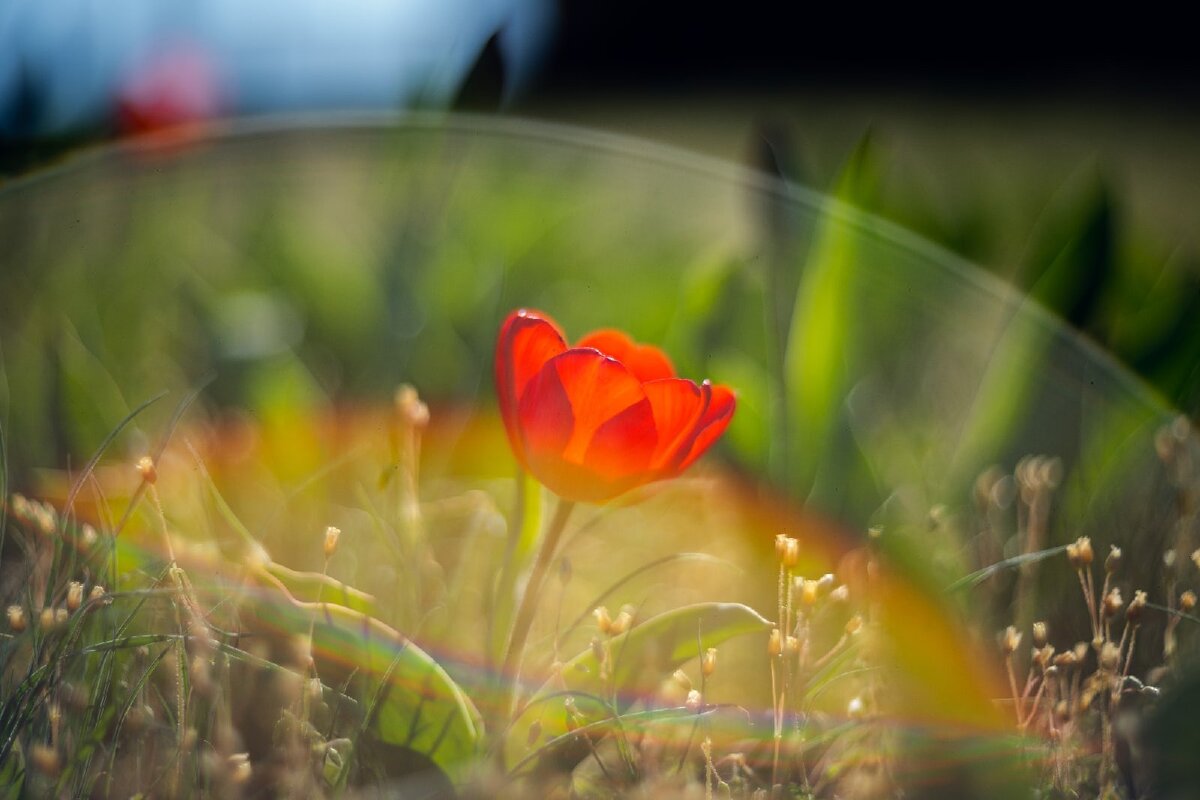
(1110, 657)
(1039, 634)
(854, 625)
(681, 678)
(775, 643)
(623, 622)
(603, 620)
(693, 701)
(841, 594)
(1062, 712)
(1011, 640)
(825, 582)
(46, 619)
(1187, 601)
(1080, 650)
(330, 544)
(708, 662)
(88, 536)
(74, 596)
(314, 690)
(791, 553)
(856, 709)
(1066, 660)
(1137, 607)
(1196, 557)
(16, 619)
(97, 593)
(147, 470)
(1042, 656)
(1112, 602)
(792, 646)
(1079, 553)
(875, 532)
(1169, 558)
(1113, 561)
(60, 616)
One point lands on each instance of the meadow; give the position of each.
(275, 523)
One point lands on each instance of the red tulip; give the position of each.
(598, 419)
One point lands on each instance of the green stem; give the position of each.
(533, 589)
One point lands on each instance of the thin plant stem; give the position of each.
(533, 589)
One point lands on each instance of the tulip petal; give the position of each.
(622, 446)
(711, 425)
(678, 405)
(528, 339)
(587, 426)
(646, 362)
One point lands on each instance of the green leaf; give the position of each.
(12, 774)
(417, 705)
(642, 658)
(820, 338)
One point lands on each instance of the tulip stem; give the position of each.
(533, 588)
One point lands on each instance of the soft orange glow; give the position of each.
(596, 420)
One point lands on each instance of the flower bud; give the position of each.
(44, 759)
(74, 596)
(1011, 640)
(681, 677)
(1079, 553)
(16, 619)
(856, 709)
(791, 553)
(775, 643)
(239, 769)
(88, 536)
(1137, 607)
(332, 535)
(1187, 601)
(1113, 562)
(603, 620)
(1112, 602)
(708, 662)
(1110, 656)
(410, 408)
(147, 469)
(623, 622)
(809, 593)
